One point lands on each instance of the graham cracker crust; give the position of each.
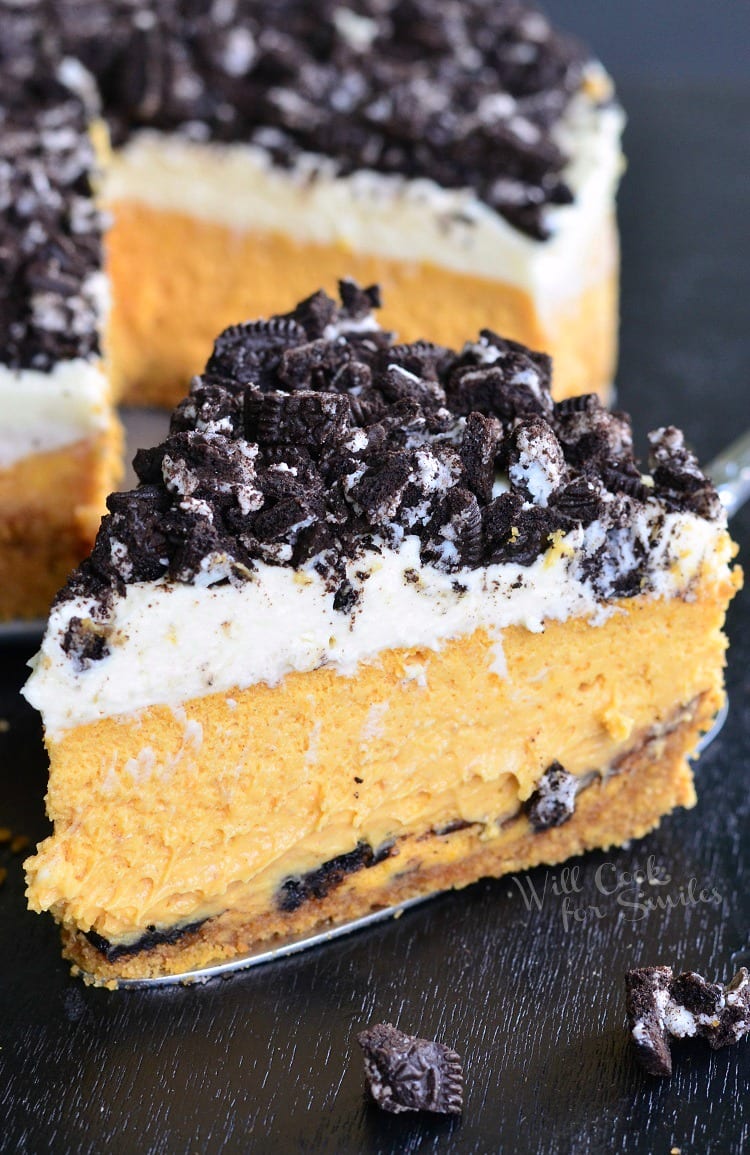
(625, 801)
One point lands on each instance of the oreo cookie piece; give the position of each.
(554, 800)
(536, 464)
(303, 418)
(405, 1073)
(514, 533)
(580, 501)
(591, 434)
(85, 642)
(478, 451)
(679, 480)
(455, 532)
(500, 378)
(646, 994)
(660, 1004)
(251, 352)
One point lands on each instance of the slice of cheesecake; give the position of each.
(380, 619)
(464, 156)
(59, 439)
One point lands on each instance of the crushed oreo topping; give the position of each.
(312, 440)
(553, 802)
(660, 1004)
(50, 229)
(405, 1073)
(468, 95)
(678, 476)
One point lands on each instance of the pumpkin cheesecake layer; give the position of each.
(50, 509)
(631, 796)
(415, 741)
(367, 592)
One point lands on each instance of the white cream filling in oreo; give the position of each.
(170, 642)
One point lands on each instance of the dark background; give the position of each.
(662, 40)
(265, 1061)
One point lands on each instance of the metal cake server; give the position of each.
(730, 472)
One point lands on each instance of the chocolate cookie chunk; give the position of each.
(405, 1073)
(660, 1004)
(553, 802)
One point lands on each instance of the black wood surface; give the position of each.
(532, 998)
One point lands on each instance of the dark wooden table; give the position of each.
(532, 998)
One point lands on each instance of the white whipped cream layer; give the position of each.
(239, 186)
(170, 642)
(43, 411)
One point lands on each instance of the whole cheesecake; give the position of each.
(465, 156)
(380, 619)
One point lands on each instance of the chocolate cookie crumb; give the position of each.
(405, 1073)
(659, 1004)
(84, 643)
(646, 990)
(553, 801)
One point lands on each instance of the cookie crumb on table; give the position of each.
(660, 1004)
(405, 1073)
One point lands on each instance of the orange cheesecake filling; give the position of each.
(179, 280)
(170, 816)
(51, 504)
(646, 783)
